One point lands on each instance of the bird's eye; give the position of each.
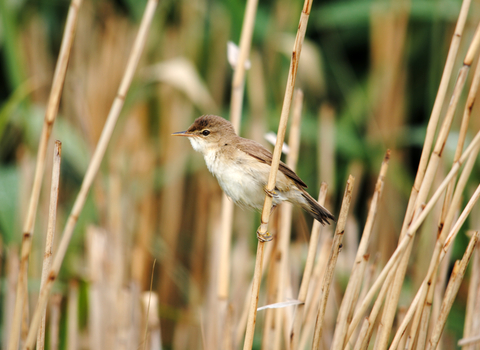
(206, 132)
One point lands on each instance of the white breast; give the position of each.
(237, 179)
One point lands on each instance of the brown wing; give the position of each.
(259, 152)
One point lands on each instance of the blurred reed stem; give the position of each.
(299, 315)
(50, 115)
(284, 231)
(52, 219)
(356, 276)
(267, 207)
(332, 260)
(93, 166)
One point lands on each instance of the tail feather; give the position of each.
(316, 210)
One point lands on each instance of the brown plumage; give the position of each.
(242, 167)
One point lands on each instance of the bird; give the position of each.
(242, 167)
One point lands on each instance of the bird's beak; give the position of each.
(182, 133)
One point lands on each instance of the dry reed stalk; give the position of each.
(326, 160)
(366, 331)
(52, 219)
(465, 119)
(469, 341)
(422, 196)
(94, 165)
(286, 221)
(95, 248)
(389, 311)
(313, 298)
(55, 305)
(473, 288)
(356, 276)
(11, 271)
(152, 333)
(50, 115)
(370, 271)
(307, 274)
(332, 260)
(267, 206)
(292, 74)
(242, 323)
(386, 275)
(452, 288)
(236, 104)
(423, 288)
(424, 314)
(72, 319)
(252, 308)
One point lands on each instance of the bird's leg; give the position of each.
(271, 193)
(265, 237)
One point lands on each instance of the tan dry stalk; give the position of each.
(469, 329)
(292, 75)
(434, 265)
(422, 314)
(451, 292)
(445, 129)
(332, 260)
(72, 317)
(55, 304)
(469, 341)
(389, 311)
(356, 277)
(52, 219)
(286, 219)
(307, 274)
(365, 334)
(423, 288)
(150, 306)
(403, 244)
(8, 303)
(236, 103)
(93, 166)
(252, 308)
(316, 292)
(95, 244)
(465, 120)
(422, 196)
(50, 115)
(242, 323)
(326, 160)
(267, 206)
(385, 276)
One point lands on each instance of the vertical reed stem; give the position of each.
(52, 219)
(50, 115)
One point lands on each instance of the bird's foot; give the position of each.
(271, 193)
(264, 237)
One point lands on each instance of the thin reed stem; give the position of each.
(93, 166)
(50, 115)
(336, 247)
(286, 219)
(267, 206)
(236, 104)
(287, 101)
(452, 289)
(52, 219)
(356, 276)
(307, 273)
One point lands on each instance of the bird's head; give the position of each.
(208, 132)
